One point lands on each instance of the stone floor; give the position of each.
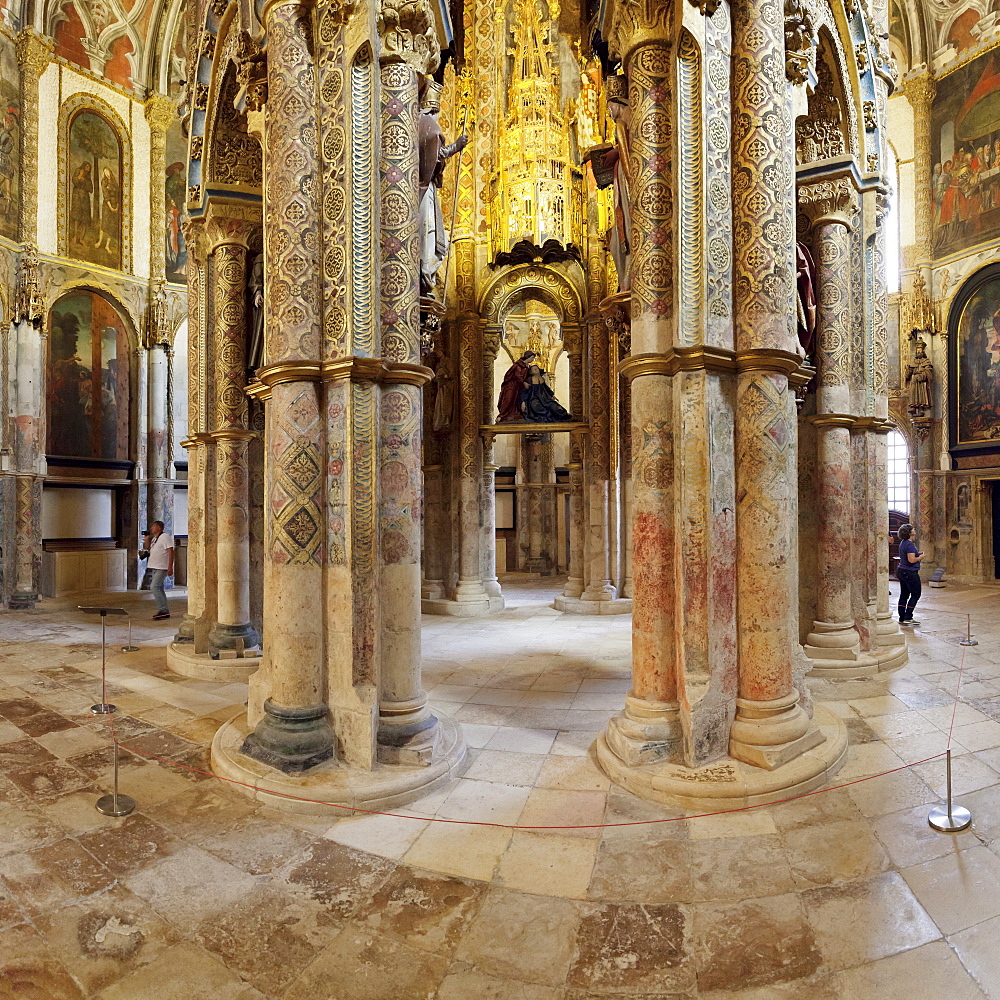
(844, 895)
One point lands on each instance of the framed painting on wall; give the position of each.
(974, 343)
(95, 189)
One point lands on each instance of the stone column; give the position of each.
(488, 550)
(770, 727)
(160, 113)
(194, 444)
(407, 730)
(33, 54)
(159, 499)
(292, 728)
(577, 509)
(598, 575)
(232, 628)
(833, 636)
(920, 91)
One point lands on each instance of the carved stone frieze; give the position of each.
(820, 134)
(800, 41)
(871, 117)
(634, 22)
(251, 73)
(407, 34)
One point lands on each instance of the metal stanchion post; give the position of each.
(129, 648)
(103, 708)
(968, 640)
(949, 818)
(115, 804)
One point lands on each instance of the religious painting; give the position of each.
(10, 140)
(974, 330)
(965, 152)
(175, 203)
(95, 190)
(87, 393)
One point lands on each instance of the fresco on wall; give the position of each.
(95, 191)
(10, 140)
(175, 200)
(87, 385)
(978, 352)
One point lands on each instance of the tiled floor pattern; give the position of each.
(848, 895)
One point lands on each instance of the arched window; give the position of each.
(898, 469)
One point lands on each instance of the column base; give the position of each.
(645, 732)
(770, 733)
(292, 740)
(410, 745)
(833, 641)
(581, 606)
(888, 630)
(574, 588)
(330, 783)
(883, 661)
(229, 637)
(492, 587)
(432, 590)
(731, 783)
(462, 609)
(182, 659)
(185, 631)
(22, 600)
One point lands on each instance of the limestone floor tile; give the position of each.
(755, 942)
(183, 972)
(23, 826)
(911, 840)
(506, 767)
(29, 969)
(555, 700)
(131, 844)
(538, 741)
(463, 982)
(552, 807)
(387, 836)
(978, 951)
(573, 743)
(69, 742)
(964, 715)
(884, 705)
(969, 773)
(496, 696)
(915, 749)
(523, 937)
(833, 852)
(821, 986)
(979, 735)
(869, 919)
(580, 774)
(190, 886)
(752, 823)
(548, 864)
(891, 793)
(926, 973)
(465, 851)
(631, 949)
(457, 693)
(258, 846)
(958, 890)
(478, 736)
(868, 759)
(484, 801)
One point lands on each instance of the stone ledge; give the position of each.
(577, 606)
(729, 783)
(182, 659)
(461, 609)
(886, 660)
(385, 787)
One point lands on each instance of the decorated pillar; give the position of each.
(488, 549)
(33, 54)
(232, 628)
(829, 204)
(771, 727)
(920, 91)
(160, 113)
(575, 578)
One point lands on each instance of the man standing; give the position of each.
(160, 565)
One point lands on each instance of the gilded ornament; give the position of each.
(197, 144)
(407, 34)
(871, 120)
(800, 41)
(29, 304)
(861, 57)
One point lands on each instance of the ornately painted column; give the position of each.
(829, 206)
(293, 730)
(577, 508)
(160, 113)
(770, 727)
(407, 729)
(194, 444)
(33, 55)
(231, 436)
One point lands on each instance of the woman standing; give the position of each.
(908, 574)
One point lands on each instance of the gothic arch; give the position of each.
(70, 109)
(554, 285)
(106, 292)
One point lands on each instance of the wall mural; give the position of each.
(175, 199)
(974, 329)
(10, 138)
(88, 395)
(95, 190)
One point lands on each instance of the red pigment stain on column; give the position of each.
(653, 674)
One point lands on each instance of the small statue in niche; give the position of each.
(920, 380)
(964, 492)
(526, 394)
(617, 158)
(805, 299)
(255, 352)
(434, 155)
(444, 381)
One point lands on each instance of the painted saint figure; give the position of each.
(434, 155)
(512, 389)
(620, 234)
(526, 394)
(111, 205)
(81, 210)
(919, 379)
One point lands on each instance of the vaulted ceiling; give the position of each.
(938, 32)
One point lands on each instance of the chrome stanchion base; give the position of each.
(968, 642)
(940, 820)
(130, 649)
(103, 709)
(115, 805)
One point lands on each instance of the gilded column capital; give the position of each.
(34, 52)
(227, 231)
(920, 91)
(407, 34)
(635, 23)
(160, 113)
(194, 238)
(828, 202)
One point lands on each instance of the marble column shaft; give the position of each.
(770, 727)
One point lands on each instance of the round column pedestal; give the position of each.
(182, 659)
(581, 606)
(729, 783)
(486, 605)
(385, 787)
(885, 660)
